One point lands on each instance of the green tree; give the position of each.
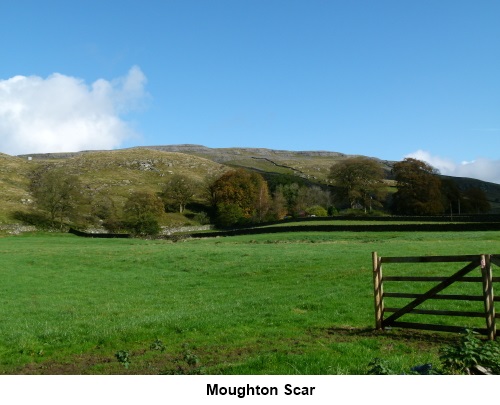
(178, 191)
(142, 212)
(452, 196)
(229, 214)
(359, 181)
(472, 200)
(57, 194)
(290, 193)
(312, 196)
(104, 209)
(419, 188)
(297, 199)
(475, 201)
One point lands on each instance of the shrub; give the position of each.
(123, 358)
(332, 211)
(317, 211)
(202, 218)
(147, 225)
(353, 212)
(469, 353)
(380, 367)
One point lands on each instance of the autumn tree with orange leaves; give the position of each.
(239, 197)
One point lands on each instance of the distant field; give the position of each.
(290, 303)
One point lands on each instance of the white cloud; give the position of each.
(481, 168)
(64, 114)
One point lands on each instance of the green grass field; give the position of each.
(298, 303)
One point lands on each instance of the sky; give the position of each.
(387, 78)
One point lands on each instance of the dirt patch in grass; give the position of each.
(421, 339)
(214, 359)
(77, 365)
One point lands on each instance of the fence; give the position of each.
(484, 262)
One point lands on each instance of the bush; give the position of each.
(380, 367)
(469, 353)
(317, 211)
(352, 212)
(145, 226)
(202, 218)
(332, 211)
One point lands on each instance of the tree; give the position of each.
(229, 214)
(475, 201)
(419, 188)
(262, 202)
(359, 181)
(296, 199)
(104, 209)
(278, 206)
(57, 193)
(452, 196)
(290, 193)
(142, 212)
(312, 196)
(178, 191)
(242, 194)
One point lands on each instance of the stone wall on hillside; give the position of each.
(16, 229)
(165, 230)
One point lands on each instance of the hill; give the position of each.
(124, 170)
(13, 185)
(115, 173)
(310, 165)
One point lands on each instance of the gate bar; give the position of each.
(489, 306)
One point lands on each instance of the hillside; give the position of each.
(13, 185)
(121, 171)
(116, 173)
(310, 165)
(125, 170)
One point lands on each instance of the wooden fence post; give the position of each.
(378, 290)
(489, 306)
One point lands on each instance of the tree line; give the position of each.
(419, 189)
(241, 197)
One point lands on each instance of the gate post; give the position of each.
(378, 290)
(489, 306)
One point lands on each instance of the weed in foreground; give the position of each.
(469, 356)
(123, 357)
(158, 345)
(380, 366)
(188, 365)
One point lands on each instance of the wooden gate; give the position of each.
(484, 262)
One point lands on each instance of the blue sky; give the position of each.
(385, 78)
